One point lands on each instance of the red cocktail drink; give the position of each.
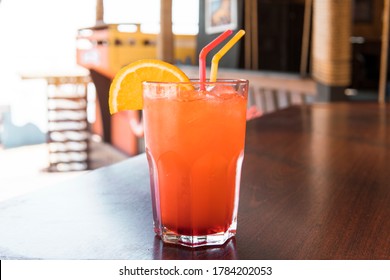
(195, 146)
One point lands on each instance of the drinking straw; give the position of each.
(222, 52)
(203, 53)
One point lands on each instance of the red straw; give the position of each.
(203, 53)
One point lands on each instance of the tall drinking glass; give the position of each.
(194, 138)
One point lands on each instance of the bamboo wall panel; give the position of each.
(331, 52)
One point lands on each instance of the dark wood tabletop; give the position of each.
(315, 185)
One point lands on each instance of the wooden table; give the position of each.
(315, 185)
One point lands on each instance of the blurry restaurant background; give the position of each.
(57, 59)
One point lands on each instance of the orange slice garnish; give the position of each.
(126, 87)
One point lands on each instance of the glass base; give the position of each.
(216, 239)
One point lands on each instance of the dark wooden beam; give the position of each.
(384, 52)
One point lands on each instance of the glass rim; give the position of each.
(198, 82)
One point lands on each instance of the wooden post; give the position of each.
(384, 52)
(248, 30)
(306, 37)
(255, 36)
(252, 36)
(165, 39)
(99, 12)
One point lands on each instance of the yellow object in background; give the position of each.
(107, 48)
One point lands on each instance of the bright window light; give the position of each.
(185, 14)
(129, 28)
